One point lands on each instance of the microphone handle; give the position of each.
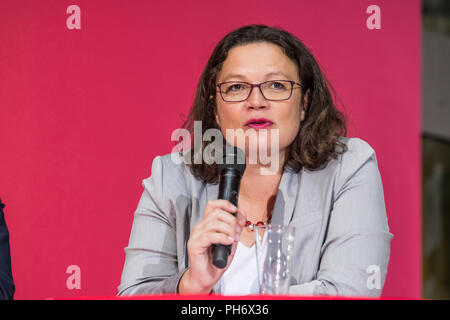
(230, 180)
(229, 184)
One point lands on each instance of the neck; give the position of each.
(258, 186)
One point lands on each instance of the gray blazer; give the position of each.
(342, 234)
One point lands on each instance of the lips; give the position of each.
(258, 123)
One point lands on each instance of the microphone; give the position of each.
(230, 174)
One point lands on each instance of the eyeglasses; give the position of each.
(273, 90)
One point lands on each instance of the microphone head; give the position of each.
(233, 158)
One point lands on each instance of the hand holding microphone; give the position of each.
(230, 174)
(214, 239)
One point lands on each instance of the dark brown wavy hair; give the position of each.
(318, 137)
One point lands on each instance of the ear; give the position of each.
(304, 105)
(302, 114)
(217, 118)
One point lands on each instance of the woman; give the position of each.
(326, 185)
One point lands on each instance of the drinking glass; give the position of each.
(274, 246)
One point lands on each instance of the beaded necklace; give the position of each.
(259, 224)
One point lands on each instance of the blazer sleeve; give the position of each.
(7, 287)
(151, 265)
(355, 253)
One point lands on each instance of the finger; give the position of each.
(206, 240)
(217, 238)
(241, 217)
(224, 216)
(220, 204)
(222, 227)
(217, 221)
(231, 220)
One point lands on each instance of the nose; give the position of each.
(256, 100)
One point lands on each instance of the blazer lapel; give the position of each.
(212, 191)
(286, 198)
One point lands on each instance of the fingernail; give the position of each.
(238, 228)
(238, 236)
(230, 238)
(233, 207)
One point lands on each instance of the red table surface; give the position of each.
(221, 297)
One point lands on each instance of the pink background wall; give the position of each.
(84, 112)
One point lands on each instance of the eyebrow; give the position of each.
(240, 76)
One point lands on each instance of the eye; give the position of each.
(277, 85)
(235, 87)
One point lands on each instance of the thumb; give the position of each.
(242, 217)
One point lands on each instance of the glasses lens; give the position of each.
(235, 91)
(276, 89)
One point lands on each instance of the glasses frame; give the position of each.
(260, 90)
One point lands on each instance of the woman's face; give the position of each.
(255, 63)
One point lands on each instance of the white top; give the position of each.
(241, 277)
